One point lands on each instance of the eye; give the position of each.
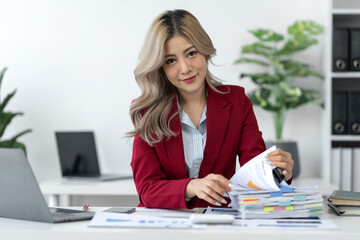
(192, 53)
(170, 61)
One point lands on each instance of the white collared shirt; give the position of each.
(194, 141)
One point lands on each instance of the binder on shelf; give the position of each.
(354, 112)
(354, 50)
(340, 49)
(356, 170)
(346, 169)
(335, 166)
(339, 112)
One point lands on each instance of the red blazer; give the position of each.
(160, 172)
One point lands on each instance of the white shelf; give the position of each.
(345, 11)
(335, 8)
(345, 138)
(345, 75)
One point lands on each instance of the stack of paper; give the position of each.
(287, 203)
(257, 195)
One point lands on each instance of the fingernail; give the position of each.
(230, 185)
(226, 194)
(217, 204)
(223, 201)
(267, 160)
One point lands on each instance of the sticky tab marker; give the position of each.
(249, 199)
(287, 189)
(277, 209)
(268, 209)
(276, 194)
(300, 198)
(289, 208)
(284, 203)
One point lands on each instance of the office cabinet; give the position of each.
(341, 122)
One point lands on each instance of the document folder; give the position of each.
(355, 50)
(354, 112)
(340, 49)
(339, 112)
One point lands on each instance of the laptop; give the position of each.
(21, 197)
(79, 159)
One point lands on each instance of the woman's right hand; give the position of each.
(212, 188)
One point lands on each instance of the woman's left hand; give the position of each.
(283, 160)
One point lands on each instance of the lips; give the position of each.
(190, 79)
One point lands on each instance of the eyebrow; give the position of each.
(187, 49)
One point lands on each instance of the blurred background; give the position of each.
(72, 64)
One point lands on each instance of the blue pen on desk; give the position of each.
(224, 211)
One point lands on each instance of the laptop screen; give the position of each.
(77, 154)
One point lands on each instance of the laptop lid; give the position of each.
(20, 195)
(77, 154)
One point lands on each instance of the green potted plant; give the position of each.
(275, 55)
(5, 119)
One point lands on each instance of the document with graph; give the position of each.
(256, 174)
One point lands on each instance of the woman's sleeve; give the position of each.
(154, 187)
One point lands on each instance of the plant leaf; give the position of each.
(2, 75)
(276, 63)
(20, 134)
(295, 97)
(263, 78)
(248, 60)
(260, 97)
(299, 69)
(6, 100)
(266, 35)
(259, 49)
(307, 28)
(296, 45)
(5, 119)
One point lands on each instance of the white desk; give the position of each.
(18, 229)
(69, 188)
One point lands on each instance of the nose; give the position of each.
(185, 67)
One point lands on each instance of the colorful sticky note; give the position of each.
(268, 209)
(276, 209)
(287, 189)
(300, 198)
(276, 194)
(284, 203)
(249, 199)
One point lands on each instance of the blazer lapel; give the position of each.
(217, 118)
(174, 146)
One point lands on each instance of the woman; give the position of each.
(189, 128)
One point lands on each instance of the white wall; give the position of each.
(72, 63)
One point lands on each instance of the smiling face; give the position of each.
(185, 67)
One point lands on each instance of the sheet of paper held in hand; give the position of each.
(257, 174)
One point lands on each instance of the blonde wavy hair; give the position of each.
(150, 112)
